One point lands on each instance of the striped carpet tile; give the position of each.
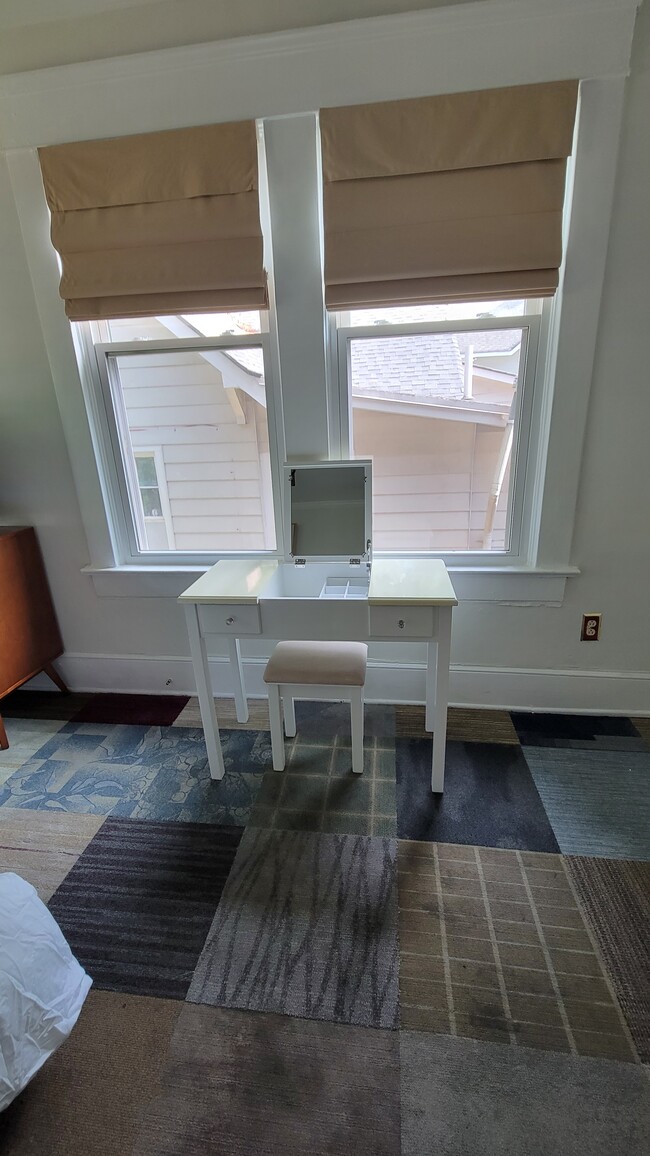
(307, 926)
(616, 898)
(139, 902)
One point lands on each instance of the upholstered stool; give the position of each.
(315, 670)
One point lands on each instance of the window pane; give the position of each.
(146, 468)
(205, 413)
(442, 311)
(164, 328)
(435, 414)
(151, 503)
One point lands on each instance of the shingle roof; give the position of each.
(424, 366)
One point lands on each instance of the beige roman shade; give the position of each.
(163, 222)
(451, 197)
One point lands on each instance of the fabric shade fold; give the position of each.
(449, 197)
(157, 223)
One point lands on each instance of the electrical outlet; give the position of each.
(590, 628)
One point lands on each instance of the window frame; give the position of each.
(528, 402)
(108, 420)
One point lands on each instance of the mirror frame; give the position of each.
(362, 464)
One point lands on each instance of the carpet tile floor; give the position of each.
(316, 962)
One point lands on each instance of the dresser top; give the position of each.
(393, 581)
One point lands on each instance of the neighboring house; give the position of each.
(431, 410)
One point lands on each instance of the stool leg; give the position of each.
(289, 716)
(356, 719)
(277, 738)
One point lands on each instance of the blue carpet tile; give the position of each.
(138, 904)
(598, 801)
(490, 798)
(599, 732)
(141, 772)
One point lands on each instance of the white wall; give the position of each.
(612, 536)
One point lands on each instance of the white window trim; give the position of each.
(301, 70)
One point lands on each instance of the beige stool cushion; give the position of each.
(318, 664)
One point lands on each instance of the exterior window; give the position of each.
(185, 407)
(439, 397)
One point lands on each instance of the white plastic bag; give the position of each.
(42, 987)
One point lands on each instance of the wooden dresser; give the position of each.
(29, 633)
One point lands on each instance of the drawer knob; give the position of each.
(229, 621)
(401, 623)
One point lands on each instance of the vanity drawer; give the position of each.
(401, 621)
(240, 618)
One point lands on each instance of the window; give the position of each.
(153, 518)
(183, 416)
(440, 398)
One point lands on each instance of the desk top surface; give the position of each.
(393, 581)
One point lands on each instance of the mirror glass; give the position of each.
(328, 507)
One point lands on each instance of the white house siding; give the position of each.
(211, 463)
(433, 494)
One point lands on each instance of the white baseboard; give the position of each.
(564, 691)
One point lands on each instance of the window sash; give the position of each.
(111, 432)
(526, 449)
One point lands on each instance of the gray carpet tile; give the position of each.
(489, 800)
(465, 1098)
(616, 898)
(598, 802)
(493, 946)
(137, 905)
(307, 925)
(273, 1085)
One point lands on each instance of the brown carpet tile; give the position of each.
(273, 1085)
(463, 725)
(42, 846)
(616, 897)
(258, 720)
(643, 727)
(89, 1098)
(494, 947)
(43, 704)
(146, 710)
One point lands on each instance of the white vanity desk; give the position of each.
(405, 600)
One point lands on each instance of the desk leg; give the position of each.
(204, 691)
(441, 692)
(241, 702)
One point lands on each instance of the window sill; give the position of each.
(514, 584)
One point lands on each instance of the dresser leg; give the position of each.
(4, 741)
(53, 673)
(443, 651)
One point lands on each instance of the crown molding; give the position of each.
(484, 44)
